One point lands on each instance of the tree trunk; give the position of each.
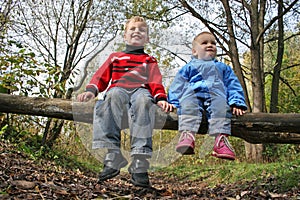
(277, 68)
(257, 9)
(233, 50)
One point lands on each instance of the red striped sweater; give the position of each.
(129, 70)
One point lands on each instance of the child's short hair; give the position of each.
(136, 19)
(202, 33)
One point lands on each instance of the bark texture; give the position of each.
(252, 127)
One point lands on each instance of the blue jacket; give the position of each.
(193, 77)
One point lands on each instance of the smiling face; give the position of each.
(204, 46)
(136, 32)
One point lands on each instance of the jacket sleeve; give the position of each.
(235, 93)
(101, 78)
(178, 87)
(156, 88)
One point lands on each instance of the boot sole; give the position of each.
(223, 156)
(185, 150)
(140, 184)
(109, 176)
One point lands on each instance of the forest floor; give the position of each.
(22, 177)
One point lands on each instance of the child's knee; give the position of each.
(144, 100)
(116, 96)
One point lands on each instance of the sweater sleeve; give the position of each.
(101, 78)
(156, 88)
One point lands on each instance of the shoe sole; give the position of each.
(185, 150)
(223, 156)
(109, 176)
(139, 184)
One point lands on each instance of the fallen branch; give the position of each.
(252, 127)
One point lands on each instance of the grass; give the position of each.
(283, 176)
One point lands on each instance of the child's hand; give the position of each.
(86, 96)
(237, 111)
(165, 105)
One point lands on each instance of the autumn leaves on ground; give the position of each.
(22, 177)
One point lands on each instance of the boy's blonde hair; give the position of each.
(136, 19)
(200, 34)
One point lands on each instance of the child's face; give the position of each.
(136, 34)
(204, 47)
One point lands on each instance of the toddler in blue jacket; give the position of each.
(205, 84)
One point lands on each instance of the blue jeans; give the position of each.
(135, 107)
(214, 104)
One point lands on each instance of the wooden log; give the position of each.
(252, 127)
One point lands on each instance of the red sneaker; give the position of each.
(222, 148)
(186, 143)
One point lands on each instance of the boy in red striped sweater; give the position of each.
(134, 85)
